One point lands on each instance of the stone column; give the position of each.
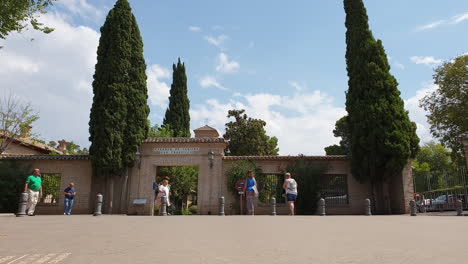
(23, 203)
(98, 209)
(221, 206)
(367, 207)
(413, 207)
(321, 207)
(273, 206)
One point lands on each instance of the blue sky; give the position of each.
(281, 61)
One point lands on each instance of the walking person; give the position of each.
(163, 191)
(251, 192)
(69, 198)
(290, 186)
(33, 187)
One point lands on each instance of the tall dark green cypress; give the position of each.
(177, 116)
(118, 120)
(382, 138)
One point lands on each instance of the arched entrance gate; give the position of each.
(206, 151)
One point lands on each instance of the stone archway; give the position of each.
(180, 152)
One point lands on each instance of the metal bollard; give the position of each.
(367, 207)
(273, 206)
(221, 206)
(23, 204)
(413, 207)
(321, 206)
(459, 207)
(163, 206)
(98, 209)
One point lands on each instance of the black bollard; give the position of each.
(221, 206)
(413, 208)
(98, 209)
(23, 204)
(273, 206)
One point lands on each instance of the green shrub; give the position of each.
(238, 171)
(12, 179)
(193, 209)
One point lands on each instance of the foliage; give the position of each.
(118, 120)
(12, 178)
(15, 14)
(247, 136)
(193, 209)
(431, 167)
(448, 104)
(51, 185)
(183, 181)
(16, 116)
(238, 171)
(307, 174)
(177, 114)
(157, 131)
(269, 186)
(382, 138)
(335, 150)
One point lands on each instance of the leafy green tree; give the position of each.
(247, 136)
(382, 138)
(15, 15)
(183, 181)
(177, 114)
(448, 105)
(118, 120)
(12, 178)
(433, 167)
(341, 130)
(157, 131)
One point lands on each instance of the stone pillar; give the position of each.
(321, 207)
(459, 208)
(367, 207)
(23, 203)
(413, 207)
(98, 208)
(221, 206)
(273, 206)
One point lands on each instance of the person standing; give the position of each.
(163, 191)
(33, 187)
(69, 198)
(251, 192)
(290, 185)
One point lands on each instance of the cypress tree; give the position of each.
(177, 116)
(118, 119)
(382, 138)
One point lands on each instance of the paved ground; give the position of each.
(233, 239)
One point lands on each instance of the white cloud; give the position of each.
(418, 115)
(226, 66)
(216, 41)
(302, 122)
(194, 28)
(399, 65)
(82, 8)
(54, 72)
(210, 81)
(450, 21)
(428, 61)
(296, 85)
(158, 91)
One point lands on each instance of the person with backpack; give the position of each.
(290, 186)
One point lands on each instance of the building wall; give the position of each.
(357, 192)
(76, 171)
(16, 149)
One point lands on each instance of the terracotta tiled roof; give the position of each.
(31, 143)
(184, 140)
(332, 157)
(44, 157)
(205, 127)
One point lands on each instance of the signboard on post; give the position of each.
(240, 188)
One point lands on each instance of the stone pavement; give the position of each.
(233, 239)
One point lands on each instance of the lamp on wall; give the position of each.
(211, 157)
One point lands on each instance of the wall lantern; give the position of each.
(211, 157)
